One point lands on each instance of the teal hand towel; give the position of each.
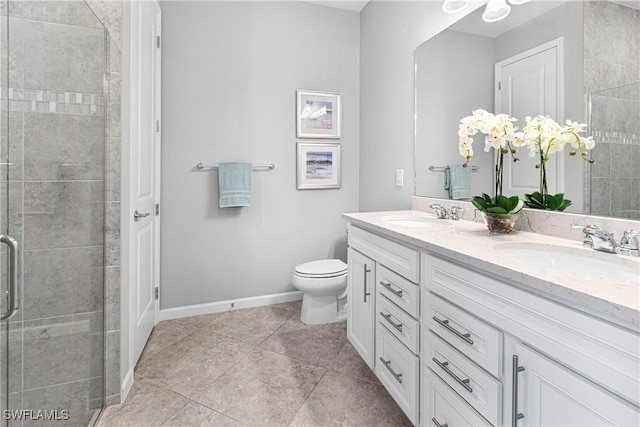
(458, 181)
(234, 181)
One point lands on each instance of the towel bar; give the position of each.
(444, 168)
(269, 167)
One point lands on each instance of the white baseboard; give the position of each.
(127, 383)
(222, 306)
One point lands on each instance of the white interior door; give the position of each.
(530, 84)
(145, 170)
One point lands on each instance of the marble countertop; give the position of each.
(470, 244)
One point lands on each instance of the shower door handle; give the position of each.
(13, 276)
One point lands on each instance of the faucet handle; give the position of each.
(630, 240)
(456, 211)
(587, 230)
(441, 211)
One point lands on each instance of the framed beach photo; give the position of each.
(318, 165)
(317, 115)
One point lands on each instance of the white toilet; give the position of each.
(324, 284)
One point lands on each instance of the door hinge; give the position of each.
(157, 209)
(499, 85)
(158, 126)
(157, 42)
(156, 293)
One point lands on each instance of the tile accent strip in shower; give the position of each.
(46, 101)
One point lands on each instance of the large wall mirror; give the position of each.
(595, 49)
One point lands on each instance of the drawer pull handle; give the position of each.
(445, 366)
(445, 324)
(398, 326)
(387, 363)
(393, 291)
(437, 424)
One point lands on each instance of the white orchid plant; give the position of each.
(502, 136)
(543, 136)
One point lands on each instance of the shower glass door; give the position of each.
(52, 192)
(4, 215)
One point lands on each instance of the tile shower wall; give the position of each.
(612, 76)
(55, 99)
(110, 14)
(64, 174)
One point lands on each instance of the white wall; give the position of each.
(450, 84)
(390, 32)
(230, 73)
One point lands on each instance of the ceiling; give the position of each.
(354, 5)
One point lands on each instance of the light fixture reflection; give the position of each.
(454, 6)
(496, 10)
(519, 1)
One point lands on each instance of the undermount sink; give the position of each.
(434, 224)
(582, 261)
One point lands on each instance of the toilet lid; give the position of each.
(322, 268)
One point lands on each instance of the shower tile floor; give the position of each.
(258, 366)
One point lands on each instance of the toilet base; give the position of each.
(320, 309)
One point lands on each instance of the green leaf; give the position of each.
(518, 207)
(565, 205)
(514, 201)
(480, 203)
(504, 203)
(497, 210)
(534, 200)
(554, 202)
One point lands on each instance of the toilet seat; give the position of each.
(321, 269)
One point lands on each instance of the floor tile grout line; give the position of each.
(308, 396)
(254, 347)
(171, 415)
(191, 400)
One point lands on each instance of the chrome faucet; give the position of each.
(443, 213)
(630, 243)
(600, 240)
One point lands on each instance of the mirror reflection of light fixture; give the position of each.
(454, 6)
(495, 10)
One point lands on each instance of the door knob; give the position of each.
(137, 215)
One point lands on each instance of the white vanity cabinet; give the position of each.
(550, 394)
(360, 297)
(383, 315)
(511, 357)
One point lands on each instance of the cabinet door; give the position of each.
(361, 304)
(552, 395)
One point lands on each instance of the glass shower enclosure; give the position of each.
(614, 123)
(52, 213)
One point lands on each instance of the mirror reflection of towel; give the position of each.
(458, 181)
(234, 182)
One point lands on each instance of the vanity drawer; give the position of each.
(399, 258)
(476, 386)
(474, 338)
(443, 406)
(398, 369)
(399, 323)
(402, 292)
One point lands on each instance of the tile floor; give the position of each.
(259, 366)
